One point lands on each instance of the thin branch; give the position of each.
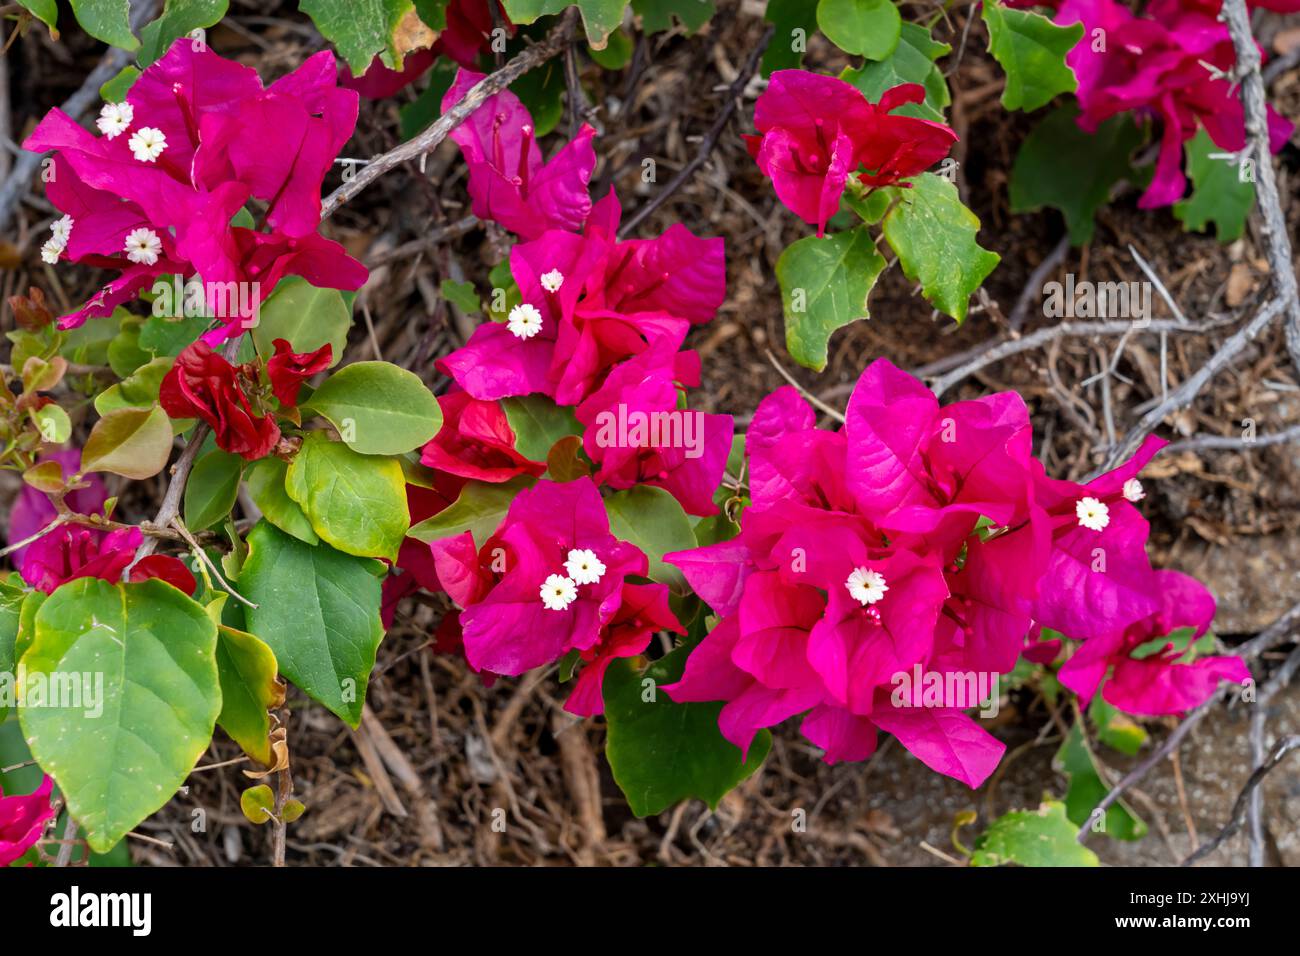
(1277, 244)
(1036, 278)
(1197, 442)
(490, 85)
(1283, 747)
(710, 139)
(1186, 393)
(833, 413)
(991, 352)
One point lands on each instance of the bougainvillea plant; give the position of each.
(694, 582)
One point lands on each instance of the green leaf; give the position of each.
(355, 502)
(479, 510)
(433, 13)
(616, 55)
(131, 442)
(169, 335)
(462, 295)
(304, 316)
(824, 286)
(360, 29)
(793, 22)
(542, 91)
(115, 90)
(913, 61)
(318, 610)
(47, 11)
(1042, 837)
(156, 651)
(213, 489)
(124, 352)
(1060, 165)
(249, 689)
(657, 15)
(27, 622)
(257, 804)
(599, 17)
(1087, 790)
(1115, 728)
(651, 519)
(378, 408)
(1219, 194)
(53, 424)
(538, 423)
(1181, 640)
(934, 237)
(107, 20)
(1031, 49)
(867, 28)
(661, 751)
(265, 479)
(137, 390)
(179, 17)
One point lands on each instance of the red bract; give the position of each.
(204, 385)
(196, 138)
(815, 130)
(71, 552)
(476, 441)
(288, 369)
(918, 539)
(590, 302)
(1158, 67)
(508, 181)
(22, 820)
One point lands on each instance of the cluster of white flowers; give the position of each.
(559, 591)
(60, 231)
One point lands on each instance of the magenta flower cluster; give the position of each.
(196, 138)
(927, 537)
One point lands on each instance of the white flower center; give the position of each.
(115, 119)
(1133, 490)
(143, 246)
(1092, 514)
(51, 250)
(524, 321)
(584, 567)
(551, 281)
(147, 144)
(866, 586)
(558, 592)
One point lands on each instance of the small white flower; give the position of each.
(61, 229)
(558, 592)
(524, 321)
(1092, 514)
(143, 246)
(1133, 490)
(115, 119)
(584, 567)
(51, 250)
(866, 586)
(551, 281)
(147, 144)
